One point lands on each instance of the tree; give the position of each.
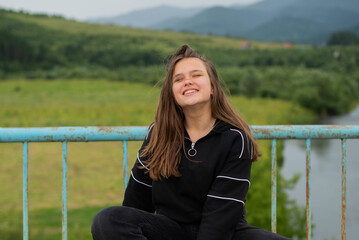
(343, 38)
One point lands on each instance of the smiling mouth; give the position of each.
(189, 92)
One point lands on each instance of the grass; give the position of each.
(76, 103)
(40, 103)
(46, 223)
(94, 169)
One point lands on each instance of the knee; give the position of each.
(102, 215)
(101, 223)
(107, 217)
(112, 221)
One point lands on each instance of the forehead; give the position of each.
(188, 65)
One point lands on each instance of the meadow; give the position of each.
(95, 169)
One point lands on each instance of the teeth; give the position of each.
(189, 91)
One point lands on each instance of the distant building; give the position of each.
(245, 45)
(287, 45)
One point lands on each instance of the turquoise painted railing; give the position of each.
(124, 134)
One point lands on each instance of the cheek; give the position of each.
(210, 89)
(175, 92)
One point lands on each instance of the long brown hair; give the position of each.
(163, 151)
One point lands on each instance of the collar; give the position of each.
(218, 127)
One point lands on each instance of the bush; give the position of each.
(343, 38)
(325, 93)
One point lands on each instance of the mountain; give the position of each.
(356, 29)
(335, 17)
(273, 6)
(352, 5)
(147, 17)
(219, 21)
(301, 21)
(292, 29)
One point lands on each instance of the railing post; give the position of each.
(274, 186)
(125, 164)
(25, 203)
(308, 190)
(344, 189)
(64, 190)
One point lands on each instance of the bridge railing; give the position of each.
(125, 134)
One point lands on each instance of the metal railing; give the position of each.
(124, 134)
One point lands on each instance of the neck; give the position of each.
(198, 122)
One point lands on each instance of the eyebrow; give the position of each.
(195, 70)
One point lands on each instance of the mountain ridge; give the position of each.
(261, 20)
(146, 17)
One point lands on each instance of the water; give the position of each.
(326, 180)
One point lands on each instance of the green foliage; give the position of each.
(343, 38)
(326, 93)
(22, 49)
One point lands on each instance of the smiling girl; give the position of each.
(192, 172)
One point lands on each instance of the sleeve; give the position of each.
(138, 193)
(224, 206)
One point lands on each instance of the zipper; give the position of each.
(192, 151)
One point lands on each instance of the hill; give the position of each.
(323, 17)
(219, 21)
(147, 17)
(292, 29)
(33, 41)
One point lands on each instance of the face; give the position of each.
(191, 83)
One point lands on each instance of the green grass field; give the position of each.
(94, 169)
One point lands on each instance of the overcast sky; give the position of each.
(82, 9)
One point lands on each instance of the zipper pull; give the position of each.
(192, 152)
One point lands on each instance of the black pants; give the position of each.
(125, 223)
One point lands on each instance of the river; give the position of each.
(326, 180)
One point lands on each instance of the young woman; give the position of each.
(192, 172)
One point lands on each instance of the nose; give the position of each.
(188, 82)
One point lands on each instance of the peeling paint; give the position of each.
(344, 190)
(105, 129)
(64, 191)
(308, 189)
(84, 134)
(25, 192)
(274, 186)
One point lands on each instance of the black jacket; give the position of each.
(212, 189)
